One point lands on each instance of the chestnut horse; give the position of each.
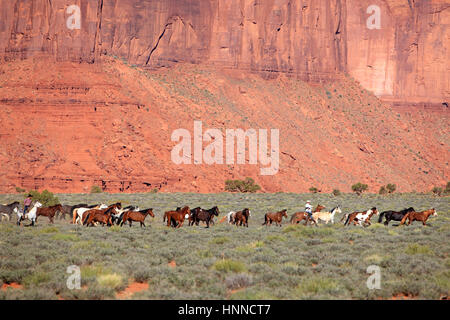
(299, 216)
(100, 215)
(138, 216)
(176, 217)
(49, 212)
(274, 217)
(241, 217)
(419, 216)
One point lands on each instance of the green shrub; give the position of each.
(247, 185)
(112, 280)
(96, 189)
(437, 191)
(47, 198)
(382, 190)
(359, 188)
(336, 192)
(391, 187)
(313, 190)
(417, 249)
(447, 188)
(20, 190)
(228, 265)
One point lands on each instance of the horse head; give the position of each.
(284, 213)
(37, 204)
(375, 211)
(216, 211)
(434, 212)
(150, 212)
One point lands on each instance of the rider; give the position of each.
(308, 210)
(27, 203)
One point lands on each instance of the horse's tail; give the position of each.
(265, 219)
(380, 219)
(347, 220)
(404, 218)
(86, 219)
(164, 217)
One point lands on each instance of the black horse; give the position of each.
(7, 210)
(394, 215)
(205, 215)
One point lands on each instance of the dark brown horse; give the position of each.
(419, 216)
(299, 216)
(274, 217)
(49, 212)
(176, 218)
(102, 216)
(205, 215)
(241, 217)
(137, 216)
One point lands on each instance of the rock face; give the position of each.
(402, 55)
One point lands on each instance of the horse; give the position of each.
(118, 217)
(176, 217)
(394, 215)
(138, 216)
(418, 216)
(299, 216)
(274, 217)
(30, 215)
(68, 210)
(361, 217)
(205, 215)
(230, 217)
(49, 212)
(6, 210)
(191, 215)
(102, 216)
(241, 217)
(77, 215)
(326, 216)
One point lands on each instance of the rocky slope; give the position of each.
(73, 125)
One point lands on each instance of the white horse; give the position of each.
(326, 216)
(30, 215)
(78, 213)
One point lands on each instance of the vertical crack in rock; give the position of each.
(97, 42)
(157, 42)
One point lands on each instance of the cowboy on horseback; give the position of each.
(27, 203)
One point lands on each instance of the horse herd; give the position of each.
(114, 214)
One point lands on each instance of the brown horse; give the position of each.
(299, 216)
(241, 217)
(274, 217)
(100, 215)
(174, 217)
(419, 216)
(138, 216)
(49, 212)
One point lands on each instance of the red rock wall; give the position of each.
(406, 60)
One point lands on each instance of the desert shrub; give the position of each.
(247, 185)
(112, 280)
(447, 188)
(313, 190)
(96, 189)
(359, 188)
(437, 191)
(20, 190)
(336, 192)
(47, 198)
(228, 265)
(382, 190)
(237, 281)
(141, 275)
(36, 279)
(391, 188)
(316, 286)
(219, 240)
(417, 249)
